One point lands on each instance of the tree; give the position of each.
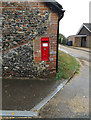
(62, 39)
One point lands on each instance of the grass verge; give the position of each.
(66, 65)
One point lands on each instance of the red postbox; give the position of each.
(44, 49)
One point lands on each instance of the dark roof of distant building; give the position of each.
(87, 26)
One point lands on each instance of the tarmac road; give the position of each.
(25, 94)
(77, 53)
(73, 100)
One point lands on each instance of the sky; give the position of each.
(76, 13)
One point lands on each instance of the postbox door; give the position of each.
(45, 49)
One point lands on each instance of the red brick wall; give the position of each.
(52, 34)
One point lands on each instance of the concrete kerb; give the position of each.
(50, 96)
(15, 113)
(34, 112)
(78, 48)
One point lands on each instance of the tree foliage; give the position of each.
(62, 39)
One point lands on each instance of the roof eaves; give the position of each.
(56, 7)
(79, 29)
(76, 36)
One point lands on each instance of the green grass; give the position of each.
(66, 65)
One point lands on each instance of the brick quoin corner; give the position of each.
(30, 39)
